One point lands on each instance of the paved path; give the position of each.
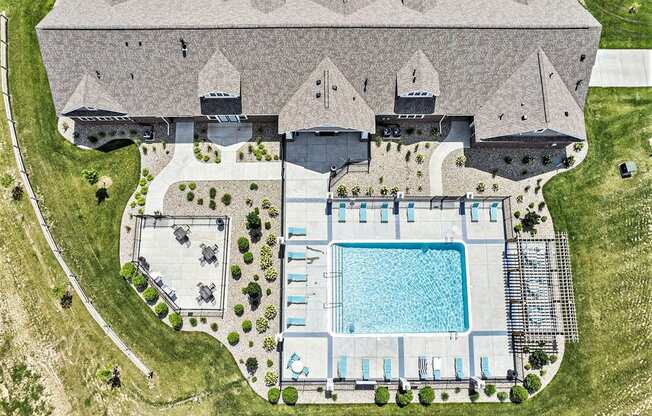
(458, 138)
(184, 166)
(622, 68)
(39, 216)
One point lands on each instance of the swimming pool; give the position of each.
(399, 287)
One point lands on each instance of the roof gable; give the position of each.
(91, 93)
(218, 74)
(418, 74)
(326, 99)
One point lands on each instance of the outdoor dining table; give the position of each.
(208, 253)
(206, 293)
(297, 367)
(180, 234)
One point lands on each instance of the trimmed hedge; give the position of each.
(238, 309)
(233, 338)
(150, 294)
(518, 394)
(139, 281)
(490, 389)
(532, 383)
(236, 273)
(273, 395)
(382, 396)
(161, 309)
(502, 396)
(426, 396)
(248, 257)
(128, 271)
(404, 398)
(175, 321)
(243, 244)
(290, 396)
(246, 326)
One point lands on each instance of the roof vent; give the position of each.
(578, 84)
(127, 44)
(140, 43)
(334, 87)
(318, 95)
(414, 72)
(414, 79)
(184, 48)
(582, 57)
(365, 84)
(500, 116)
(98, 75)
(522, 104)
(132, 75)
(318, 82)
(353, 98)
(524, 117)
(551, 74)
(566, 113)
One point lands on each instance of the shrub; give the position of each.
(243, 244)
(270, 312)
(508, 160)
(527, 159)
(502, 396)
(546, 160)
(265, 203)
(161, 309)
(426, 395)
(270, 363)
(269, 344)
(226, 199)
(268, 225)
(270, 240)
(271, 274)
(538, 359)
(290, 396)
(90, 175)
(139, 281)
(233, 338)
(460, 161)
(444, 397)
(175, 321)
(150, 294)
(214, 327)
(190, 196)
(419, 158)
(408, 155)
(192, 186)
(495, 187)
(382, 396)
(518, 394)
(578, 146)
(403, 398)
(268, 291)
(532, 383)
(246, 326)
(271, 378)
(212, 205)
(273, 212)
(273, 395)
(480, 187)
(200, 201)
(490, 389)
(128, 271)
(252, 290)
(236, 273)
(253, 220)
(474, 396)
(262, 324)
(253, 186)
(212, 193)
(193, 321)
(355, 191)
(238, 309)
(552, 357)
(248, 257)
(251, 364)
(342, 192)
(568, 161)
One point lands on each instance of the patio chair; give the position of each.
(306, 371)
(484, 367)
(410, 212)
(387, 369)
(342, 367)
(475, 212)
(384, 212)
(341, 212)
(493, 212)
(292, 359)
(436, 368)
(296, 231)
(297, 277)
(423, 368)
(202, 261)
(296, 299)
(296, 255)
(295, 376)
(459, 368)
(365, 369)
(296, 321)
(363, 212)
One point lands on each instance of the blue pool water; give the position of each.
(400, 288)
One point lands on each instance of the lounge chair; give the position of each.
(493, 212)
(341, 212)
(484, 367)
(306, 371)
(296, 299)
(363, 212)
(423, 368)
(294, 231)
(410, 212)
(297, 277)
(296, 321)
(436, 368)
(296, 255)
(459, 368)
(342, 367)
(384, 212)
(292, 359)
(295, 376)
(365, 369)
(387, 368)
(475, 212)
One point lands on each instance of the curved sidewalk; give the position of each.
(39, 216)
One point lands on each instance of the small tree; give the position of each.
(161, 309)
(290, 396)
(253, 220)
(251, 364)
(236, 273)
(490, 389)
(404, 398)
(254, 292)
(382, 396)
(426, 395)
(243, 244)
(226, 199)
(248, 257)
(238, 309)
(139, 281)
(90, 175)
(538, 359)
(175, 321)
(502, 396)
(273, 395)
(246, 326)
(532, 383)
(128, 271)
(233, 338)
(518, 394)
(150, 294)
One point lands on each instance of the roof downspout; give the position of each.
(168, 124)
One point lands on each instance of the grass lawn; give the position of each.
(609, 221)
(620, 28)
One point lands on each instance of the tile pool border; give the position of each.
(329, 288)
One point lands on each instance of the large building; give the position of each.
(519, 69)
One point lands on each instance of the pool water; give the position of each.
(399, 288)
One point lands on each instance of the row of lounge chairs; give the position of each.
(342, 368)
(425, 374)
(493, 212)
(384, 212)
(296, 278)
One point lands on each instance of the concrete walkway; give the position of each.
(622, 68)
(185, 166)
(458, 138)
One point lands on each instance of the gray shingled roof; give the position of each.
(90, 93)
(326, 99)
(218, 74)
(533, 98)
(418, 74)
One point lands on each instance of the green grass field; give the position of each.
(620, 27)
(609, 222)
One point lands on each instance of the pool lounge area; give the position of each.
(470, 340)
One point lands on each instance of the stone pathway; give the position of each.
(622, 68)
(185, 167)
(458, 138)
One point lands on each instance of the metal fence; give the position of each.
(45, 228)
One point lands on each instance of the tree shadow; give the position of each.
(101, 195)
